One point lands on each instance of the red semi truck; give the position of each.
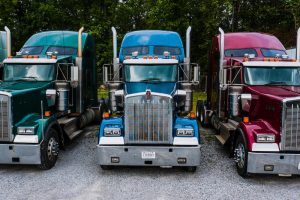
(253, 101)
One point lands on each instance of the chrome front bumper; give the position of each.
(283, 163)
(164, 155)
(20, 154)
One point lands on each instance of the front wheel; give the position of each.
(49, 149)
(241, 156)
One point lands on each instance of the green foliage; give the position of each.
(26, 17)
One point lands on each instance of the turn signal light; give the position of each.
(192, 115)
(105, 115)
(47, 113)
(10, 57)
(246, 119)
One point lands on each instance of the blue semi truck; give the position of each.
(148, 119)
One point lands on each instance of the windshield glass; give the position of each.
(150, 73)
(28, 72)
(239, 52)
(272, 75)
(31, 50)
(272, 52)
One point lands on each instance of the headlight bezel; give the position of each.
(112, 132)
(265, 138)
(185, 132)
(26, 130)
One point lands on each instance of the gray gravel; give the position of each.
(77, 176)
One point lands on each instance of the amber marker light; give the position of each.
(47, 113)
(246, 119)
(105, 115)
(10, 57)
(53, 57)
(36, 56)
(192, 115)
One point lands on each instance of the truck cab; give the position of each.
(46, 96)
(256, 111)
(149, 121)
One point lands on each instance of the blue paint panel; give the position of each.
(114, 122)
(185, 122)
(152, 38)
(166, 88)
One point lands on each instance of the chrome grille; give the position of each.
(5, 126)
(148, 121)
(290, 131)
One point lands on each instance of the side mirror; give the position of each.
(74, 76)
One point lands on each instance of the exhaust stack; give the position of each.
(188, 50)
(221, 70)
(115, 56)
(8, 41)
(298, 45)
(80, 42)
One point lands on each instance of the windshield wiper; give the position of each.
(276, 83)
(151, 79)
(27, 77)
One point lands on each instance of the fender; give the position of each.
(249, 129)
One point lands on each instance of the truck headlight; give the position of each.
(185, 132)
(26, 130)
(112, 132)
(265, 138)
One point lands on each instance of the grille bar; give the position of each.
(148, 121)
(5, 126)
(290, 129)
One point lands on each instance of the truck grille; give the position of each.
(290, 131)
(5, 126)
(148, 121)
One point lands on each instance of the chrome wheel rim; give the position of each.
(241, 155)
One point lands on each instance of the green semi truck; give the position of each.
(48, 94)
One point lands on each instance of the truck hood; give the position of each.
(166, 88)
(22, 87)
(275, 92)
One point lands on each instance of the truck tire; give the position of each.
(49, 149)
(241, 156)
(201, 114)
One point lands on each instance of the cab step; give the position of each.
(225, 131)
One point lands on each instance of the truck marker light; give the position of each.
(246, 119)
(47, 113)
(53, 57)
(29, 56)
(36, 56)
(145, 57)
(10, 57)
(105, 115)
(269, 167)
(192, 115)
(155, 57)
(150, 57)
(173, 57)
(25, 56)
(127, 57)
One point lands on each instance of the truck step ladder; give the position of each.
(225, 130)
(70, 126)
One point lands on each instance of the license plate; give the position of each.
(148, 155)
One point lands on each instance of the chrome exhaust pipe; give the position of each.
(221, 70)
(188, 50)
(298, 45)
(80, 42)
(8, 41)
(115, 56)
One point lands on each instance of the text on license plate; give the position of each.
(148, 155)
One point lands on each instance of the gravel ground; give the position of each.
(77, 176)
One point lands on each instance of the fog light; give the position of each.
(269, 167)
(181, 160)
(115, 159)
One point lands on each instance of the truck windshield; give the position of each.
(272, 52)
(150, 73)
(272, 75)
(28, 72)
